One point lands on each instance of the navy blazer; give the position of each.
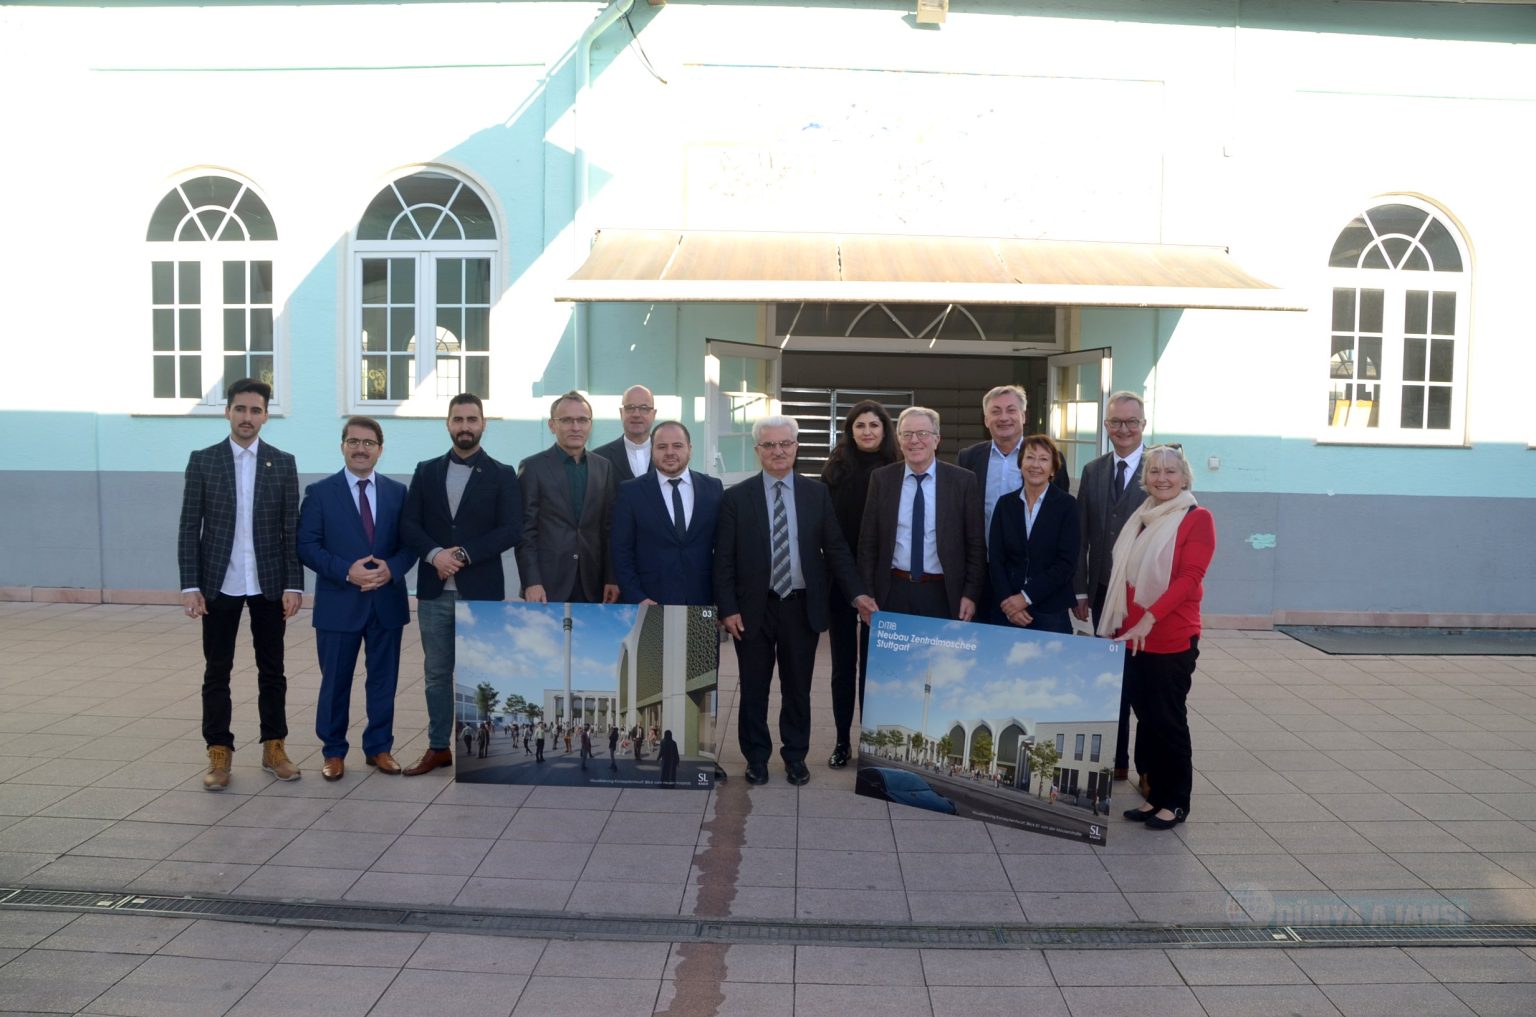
(206, 535)
(743, 561)
(650, 561)
(1040, 564)
(489, 520)
(331, 539)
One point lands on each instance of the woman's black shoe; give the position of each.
(1154, 822)
(1138, 815)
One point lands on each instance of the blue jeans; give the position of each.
(435, 617)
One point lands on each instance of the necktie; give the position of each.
(366, 511)
(780, 577)
(679, 520)
(1119, 478)
(919, 524)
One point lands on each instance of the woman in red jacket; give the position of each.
(1154, 608)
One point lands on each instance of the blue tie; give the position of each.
(918, 524)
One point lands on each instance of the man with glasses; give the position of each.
(1109, 493)
(462, 511)
(778, 547)
(630, 452)
(922, 549)
(349, 534)
(568, 500)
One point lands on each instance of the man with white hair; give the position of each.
(781, 528)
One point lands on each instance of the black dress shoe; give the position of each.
(1139, 815)
(796, 772)
(757, 773)
(1154, 822)
(840, 757)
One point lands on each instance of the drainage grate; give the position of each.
(553, 925)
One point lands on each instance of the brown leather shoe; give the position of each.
(384, 762)
(219, 760)
(334, 768)
(276, 762)
(430, 760)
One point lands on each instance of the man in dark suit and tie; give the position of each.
(664, 527)
(235, 551)
(921, 548)
(1109, 493)
(777, 550)
(462, 511)
(349, 534)
(568, 500)
(630, 452)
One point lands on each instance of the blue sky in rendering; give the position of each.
(520, 648)
(986, 671)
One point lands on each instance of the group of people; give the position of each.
(783, 557)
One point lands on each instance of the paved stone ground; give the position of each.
(1329, 790)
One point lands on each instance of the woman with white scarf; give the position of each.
(1153, 607)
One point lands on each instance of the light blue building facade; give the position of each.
(1298, 229)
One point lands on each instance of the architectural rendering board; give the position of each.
(528, 674)
(988, 722)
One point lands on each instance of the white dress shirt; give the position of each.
(902, 554)
(685, 489)
(241, 578)
(639, 457)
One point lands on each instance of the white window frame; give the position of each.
(424, 400)
(210, 255)
(1396, 284)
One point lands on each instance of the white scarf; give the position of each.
(1143, 556)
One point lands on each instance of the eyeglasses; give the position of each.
(777, 446)
(1127, 424)
(568, 421)
(367, 443)
(917, 435)
(637, 408)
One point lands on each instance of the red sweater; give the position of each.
(1178, 610)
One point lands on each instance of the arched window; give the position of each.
(1397, 364)
(424, 256)
(211, 245)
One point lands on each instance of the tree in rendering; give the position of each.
(1042, 762)
(485, 699)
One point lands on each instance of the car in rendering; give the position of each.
(901, 787)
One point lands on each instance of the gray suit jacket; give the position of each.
(1102, 516)
(962, 545)
(560, 552)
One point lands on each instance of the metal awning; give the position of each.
(693, 266)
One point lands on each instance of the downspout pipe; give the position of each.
(582, 184)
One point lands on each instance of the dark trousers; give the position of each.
(1159, 684)
(1049, 621)
(785, 638)
(220, 627)
(850, 663)
(927, 600)
(338, 662)
(1123, 731)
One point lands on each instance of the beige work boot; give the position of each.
(219, 761)
(276, 762)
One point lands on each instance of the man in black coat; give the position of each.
(630, 452)
(778, 547)
(462, 511)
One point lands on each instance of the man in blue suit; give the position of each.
(349, 534)
(656, 558)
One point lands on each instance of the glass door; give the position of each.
(1079, 386)
(741, 383)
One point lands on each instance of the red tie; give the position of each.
(366, 510)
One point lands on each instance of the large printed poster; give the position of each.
(988, 722)
(585, 695)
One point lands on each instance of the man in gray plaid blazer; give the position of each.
(236, 549)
